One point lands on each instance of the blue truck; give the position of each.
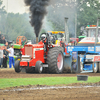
(84, 58)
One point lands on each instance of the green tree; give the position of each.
(2, 14)
(87, 12)
(2, 11)
(15, 25)
(58, 10)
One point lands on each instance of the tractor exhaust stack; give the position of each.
(36, 39)
(66, 31)
(96, 35)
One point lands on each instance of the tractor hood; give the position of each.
(39, 45)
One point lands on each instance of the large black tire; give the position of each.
(56, 49)
(55, 60)
(17, 66)
(38, 67)
(95, 67)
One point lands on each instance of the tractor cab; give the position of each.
(47, 38)
(53, 38)
(58, 36)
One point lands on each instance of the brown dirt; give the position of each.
(10, 73)
(83, 93)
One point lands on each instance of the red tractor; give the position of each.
(42, 57)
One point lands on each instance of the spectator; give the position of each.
(5, 57)
(1, 56)
(3, 40)
(11, 56)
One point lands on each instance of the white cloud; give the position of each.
(15, 6)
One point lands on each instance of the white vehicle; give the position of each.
(91, 30)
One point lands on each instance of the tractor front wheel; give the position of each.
(38, 67)
(17, 66)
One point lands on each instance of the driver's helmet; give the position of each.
(43, 36)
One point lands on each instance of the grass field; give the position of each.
(4, 83)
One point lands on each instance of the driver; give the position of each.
(23, 42)
(43, 37)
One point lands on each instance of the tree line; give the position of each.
(87, 11)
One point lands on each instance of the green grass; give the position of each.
(4, 83)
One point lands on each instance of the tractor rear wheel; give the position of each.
(17, 66)
(38, 67)
(55, 60)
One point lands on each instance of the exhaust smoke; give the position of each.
(37, 11)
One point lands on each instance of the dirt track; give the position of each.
(10, 73)
(83, 93)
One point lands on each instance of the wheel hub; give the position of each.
(60, 61)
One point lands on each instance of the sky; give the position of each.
(15, 6)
